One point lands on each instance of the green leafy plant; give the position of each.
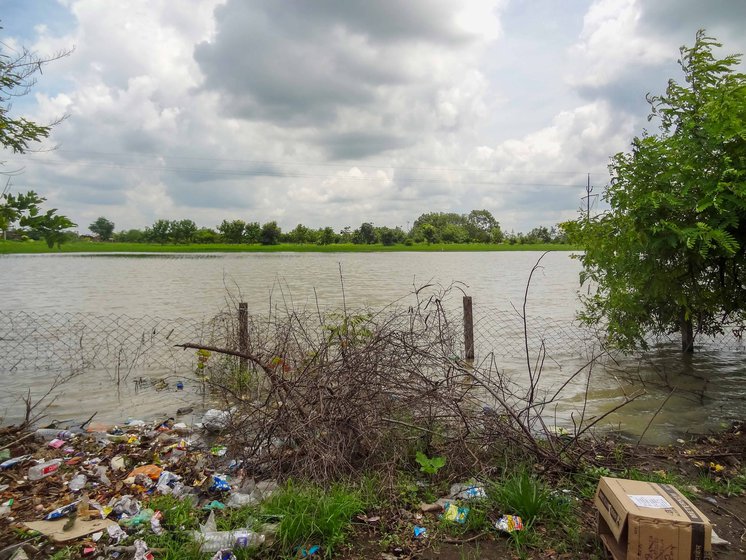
(430, 465)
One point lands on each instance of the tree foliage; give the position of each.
(270, 233)
(17, 76)
(478, 226)
(669, 254)
(103, 228)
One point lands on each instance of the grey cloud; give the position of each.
(358, 145)
(684, 17)
(298, 63)
(628, 90)
(221, 195)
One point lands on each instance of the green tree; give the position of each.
(327, 236)
(13, 207)
(50, 225)
(429, 232)
(182, 231)
(252, 233)
(345, 235)
(302, 234)
(365, 235)
(233, 231)
(541, 234)
(669, 255)
(390, 236)
(18, 71)
(206, 235)
(271, 233)
(130, 236)
(103, 228)
(159, 232)
(482, 226)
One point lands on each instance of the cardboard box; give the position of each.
(644, 520)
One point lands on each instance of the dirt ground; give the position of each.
(726, 513)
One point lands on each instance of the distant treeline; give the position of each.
(478, 226)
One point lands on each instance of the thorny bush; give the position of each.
(322, 397)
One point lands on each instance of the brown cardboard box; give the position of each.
(642, 520)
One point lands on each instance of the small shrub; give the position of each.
(430, 465)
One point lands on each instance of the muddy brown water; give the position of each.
(708, 388)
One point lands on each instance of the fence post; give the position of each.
(243, 333)
(468, 329)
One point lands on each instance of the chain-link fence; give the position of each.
(125, 346)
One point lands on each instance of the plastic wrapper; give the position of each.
(166, 482)
(77, 483)
(14, 461)
(468, 491)
(220, 483)
(452, 512)
(62, 511)
(155, 523)
(116, 533)
(509, 523)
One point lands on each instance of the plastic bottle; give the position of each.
(44, 469)
(212, 541)
(48, 434)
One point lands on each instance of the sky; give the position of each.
(338, 112)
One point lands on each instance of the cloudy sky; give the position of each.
(335, 112)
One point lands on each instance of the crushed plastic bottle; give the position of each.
(44, 469)
(213, 541)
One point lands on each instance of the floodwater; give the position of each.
(698, 393)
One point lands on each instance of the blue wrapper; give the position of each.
(62, 511)
(219, 483)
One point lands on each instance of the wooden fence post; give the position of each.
(243, 333)
(468, 329)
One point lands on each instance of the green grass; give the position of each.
(521, 493)
(723, 486)
(310, 515)
(33, 247)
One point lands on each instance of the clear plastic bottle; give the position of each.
(48, 434)
(213, 541)
(44, 469)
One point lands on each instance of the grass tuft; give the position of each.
(308, 515)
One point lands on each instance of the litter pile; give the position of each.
(91, 488)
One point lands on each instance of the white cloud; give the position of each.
(338, 112)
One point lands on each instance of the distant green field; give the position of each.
(20, 247)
